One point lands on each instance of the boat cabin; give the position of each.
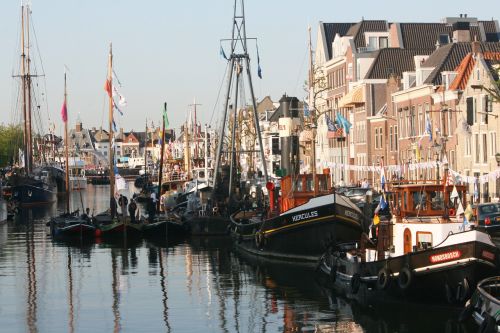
(299, 189)
(423, 216)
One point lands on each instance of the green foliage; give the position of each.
(11, 139)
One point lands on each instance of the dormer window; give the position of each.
(444, 39)
(383, 42)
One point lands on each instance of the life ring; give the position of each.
(463, 290)
(355, 283)
(488, 325)
(405, 278)
(383, 278)
(451, 212)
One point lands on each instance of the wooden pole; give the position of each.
(111, 135)
(66, 154)
(162, 150)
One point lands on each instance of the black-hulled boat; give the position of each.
(484, 305)
(72, 227)
(164, 227)
(422, 252)
(32, 189)
(306, 226)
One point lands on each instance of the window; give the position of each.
(470, 110)
(372, 43)
(444, 39)
(493, 143)
(383, 42)
(421, 120)
(376, 138)
(485, 148)
(476, 155)
(424, 240)
(275, 145)
(381, 137)
(391, 140)
(395, 138)
(412, 121)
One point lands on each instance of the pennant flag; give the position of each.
(476, 192)
(454, 193)
(165, 117)
(222, 53)
(64, 112)
(306, 110)
(114, 126)
(382, 177)
(259, 70)
(107, 87)
(376, 219)
(116, 108)
(460, 209)
(428, 126)
(383, 203)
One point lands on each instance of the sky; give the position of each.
(169, 51)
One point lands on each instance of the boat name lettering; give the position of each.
(446, 256)
(488, 255)
(303, 216)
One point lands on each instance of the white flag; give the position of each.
(460, 209)
(454, 194)
(121, 184)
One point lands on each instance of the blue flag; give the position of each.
(346, 125)
(306, 110)
(428, 126)
(222, 53)
(259, 70)
(330, 124)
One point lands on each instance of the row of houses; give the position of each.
(417, 97)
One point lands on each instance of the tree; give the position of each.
(11, 140)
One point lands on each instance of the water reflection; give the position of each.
(196, 285)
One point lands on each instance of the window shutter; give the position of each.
(470, 111)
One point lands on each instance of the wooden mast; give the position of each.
(162, 150)
(111, 135)
(146, 154)
(313, 114)
(23, 83)
(66, 154)
(28, 90)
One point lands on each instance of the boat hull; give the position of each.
(28, 195)
(70, 228)
(164, 229)
(445, 274)
(301, 234)
(208, 225)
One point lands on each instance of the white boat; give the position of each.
(77, 178)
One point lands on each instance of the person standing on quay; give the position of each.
(132, 207)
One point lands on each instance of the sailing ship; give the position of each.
(70, 225)
(30, 185)
(109, 224)
(424, 251)
(163, 226)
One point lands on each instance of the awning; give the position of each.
(353, 97)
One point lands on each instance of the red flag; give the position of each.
(107, 87)
(64, 112)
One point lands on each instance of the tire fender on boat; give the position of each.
(383, 278)
(355, 283)
(333, 273)
(405, 278)
(466, 313)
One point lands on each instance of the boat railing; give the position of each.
(489, 288)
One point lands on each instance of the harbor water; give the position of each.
(195, 285)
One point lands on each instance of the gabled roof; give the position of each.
(426, 35)
(490, 30)
(358, 30)
(331, 30)
(394, 61)
(465, 68)
(448, 57)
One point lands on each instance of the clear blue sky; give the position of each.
(169, 50)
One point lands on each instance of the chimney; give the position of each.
(476, 47)
(78, 127)
(461, 31)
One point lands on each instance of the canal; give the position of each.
(197, 285)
